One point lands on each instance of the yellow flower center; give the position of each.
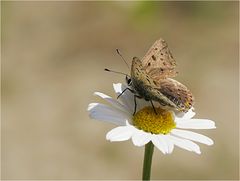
(147, 120)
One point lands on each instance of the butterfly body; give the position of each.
(151, 79)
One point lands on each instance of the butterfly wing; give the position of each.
(159, 62)
(177, 93)
(157, 67)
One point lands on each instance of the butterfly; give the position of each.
(151, 79)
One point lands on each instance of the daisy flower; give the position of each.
(165, 129)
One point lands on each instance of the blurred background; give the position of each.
(53, 56)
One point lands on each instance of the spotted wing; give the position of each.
(177, 93)
(159, 62)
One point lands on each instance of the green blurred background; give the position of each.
(53, 56)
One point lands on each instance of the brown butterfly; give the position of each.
(151, 79)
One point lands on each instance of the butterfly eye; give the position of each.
(128, 80)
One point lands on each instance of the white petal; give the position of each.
(106, 113)
(169, 144)
(192, 136)
(196, 124)
(118, 88)
(140, 138)
(121, 133)
(141, 103)
(160, 143)
(112, 101)
(185, 144)
(184, 116)
(127, 98)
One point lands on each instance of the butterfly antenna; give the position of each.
(118, 52)
(116, 72)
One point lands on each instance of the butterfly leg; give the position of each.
(124, 91)
(135, 102)
(153, 107)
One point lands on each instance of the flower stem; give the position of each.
(147, 161)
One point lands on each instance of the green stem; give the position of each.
(147, 161)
